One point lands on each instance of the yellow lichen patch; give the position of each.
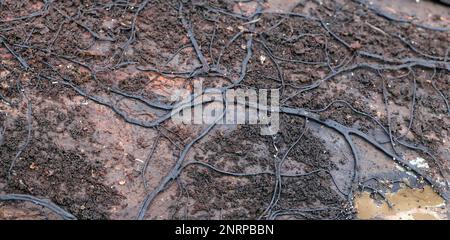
(412, 204)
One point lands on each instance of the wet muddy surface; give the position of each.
(86, 88)
(404, 204)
